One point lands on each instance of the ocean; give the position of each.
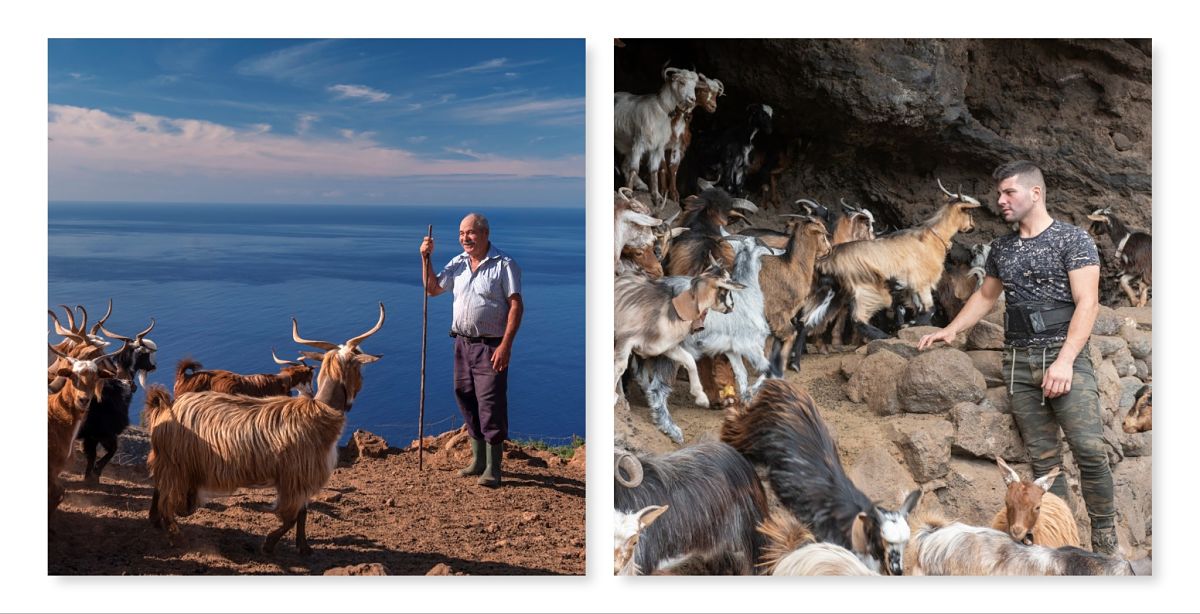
(223, 282)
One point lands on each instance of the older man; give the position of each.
(1049, 272)
(487, 313)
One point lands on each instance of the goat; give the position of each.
(189, 377)
(212, 442)
(642, 125)
(77, 341)
(705, 216)
(653, 318)
(960, 280)
(1135, 258)
(707, 91)
(716, 500)
(627, 530)
(771, 157)
(633, 224)
(943, 548)
(66, 408)
(866, 274)
(787, 281)
(854, 224)
(1034, 515)
(1141, 414)
(728, 155)
(791, 550)
(783, 431)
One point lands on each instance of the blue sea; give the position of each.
(223, 282)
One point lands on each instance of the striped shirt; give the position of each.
(481, 297)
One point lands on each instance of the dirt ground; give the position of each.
(373, 513)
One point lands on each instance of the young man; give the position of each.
(487, 314)
(1050, 273)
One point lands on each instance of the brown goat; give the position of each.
(81, 381)
(855, 224)
(189, 377)
(1140, 415)
(1034, 515)
(786, 282)
(211, 442)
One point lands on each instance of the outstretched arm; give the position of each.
(980, 303)
(432, 287)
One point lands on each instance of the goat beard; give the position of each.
(141, 378)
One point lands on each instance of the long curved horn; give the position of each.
(70, 317)
(632, 466)
(138, 337)
(110, 334)
(353, 343)
(96, 326)
(58, 327)
(280, 361)
(83, 319)
(846, 205)
(741, 203)
(324, 345)
(939, 181)
(60, 354)
(813, 207)
(705, 184)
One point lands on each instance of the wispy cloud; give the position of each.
(91, 143)
(420, 138)
(78, 76)
(304, 121)
(492, 65)
(359, 91)
(295, 63)
(555, 111)
(466, 153)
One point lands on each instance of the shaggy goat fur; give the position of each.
(791, 550)
(82, 380)
(1141, 416)
(190, 377)
(1034, 515)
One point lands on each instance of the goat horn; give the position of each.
(847, 206)
(58, 327)
(139, 336)
(83, 320)
(742, 203)
(280, 361)
(77, 338)
(108, 333)
(632, 466)
(353, 343)
(815, 206)
(705, 184)
(939, 181)
(324, 345)
(1011, 476)
(96, 326)
(70, 317)
(59, 353)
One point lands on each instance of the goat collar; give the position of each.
(945, 243)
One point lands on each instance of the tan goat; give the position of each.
(1034, 515)
(79, 381)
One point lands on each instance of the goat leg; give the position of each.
(301, 538)
(924, 317)
(90, 474)
(268, 545)
(155, 514)
(110, 450)
(870, 332)
(798, 346)
(1125, 277)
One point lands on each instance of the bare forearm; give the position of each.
(515, 311)
(1080, 329)
(977, 306)
(432, 287)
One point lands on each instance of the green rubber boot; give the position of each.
(478, 460)
(491, 475)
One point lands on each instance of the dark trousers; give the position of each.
(482, 393)
(1077, 413)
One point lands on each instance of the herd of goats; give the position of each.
(691, 293)
(222, 431)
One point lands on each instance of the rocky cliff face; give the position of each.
(877, 121)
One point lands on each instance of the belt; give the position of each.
(475, 339)
(1024, 320)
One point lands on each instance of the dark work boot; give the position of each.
(491, 475)
(478, 460)
(1104, 541)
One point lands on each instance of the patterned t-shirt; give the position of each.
(1034, 270)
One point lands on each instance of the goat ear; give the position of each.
(910, 502)
(317, 356)
(685, 306)
(858, 533)
(365, 359)
(1010, 476)
(649, 514)
(64, 371)
(57, 384)
(1046, 481)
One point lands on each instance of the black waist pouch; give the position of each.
(1027, 320)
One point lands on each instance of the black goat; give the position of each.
(1135, 258)
(727, 157)
(716, 502)
(783, 431)
(108, 414)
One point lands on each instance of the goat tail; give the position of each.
(158, 401)
(826, 299)
(185, 365)
(782, 534)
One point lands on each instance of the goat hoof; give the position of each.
(702, 401)
(305, 550)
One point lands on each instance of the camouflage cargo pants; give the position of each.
(1077, 413)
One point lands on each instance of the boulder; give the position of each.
(1123, 361)
(1136, 444)
(991, 364)
(1143, 369)
(925, 443)
(1108, 322)
(1109, 385)
(1108, 344)
(849, 364)
(974, 490)
(880, 476)
(364, 444)
(579, 458)
(901, 347)
(1132, 488)
(1143, 316)
(937, 379)
(986, 336)
(913, 335)
(997, 398)
(983, 432)
(361, 569)
(1129, 387)
(874, 382)
(996, 315)
(1140, 342)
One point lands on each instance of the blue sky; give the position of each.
(361, 121)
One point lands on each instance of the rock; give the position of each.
(1123, 361)
(1112, 436)
(529, 517)
(1109, 385)
(1142, 369)
(925, 443)
(998, 398)
(996, 315)
(985, 433)
(937, 379)
(1108, 322)
(1108, 344)
(332, 497)
(1129, 387)
(880, 476)
(390, 502)
(913, 335)
(1140, 343)
(986, 336)
(849, 364)
(441, 569)
(875, 382)
(579, 458)
(1149, 366)
(1136, 444)
(367, 444)
(974, 490)
(361, 569)
(1132, 481)
(1121, 142)
(534, 461)
(905, 349)
(990, 364)
(1143, 316)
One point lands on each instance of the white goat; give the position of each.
(642, 125)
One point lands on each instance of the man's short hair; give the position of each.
(1027, 172)
(480, 221)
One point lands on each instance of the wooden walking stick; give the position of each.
(424, 329)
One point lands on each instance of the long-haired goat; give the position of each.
(211, 442)
(1140, 416)
(716, 502)
(854, 224)
(705, 215)
(960, 280)
(942, 548)
(82, 381)
(792, 550)
(783, 431)
(627, 530)
(1135, 258)
(866, 274)
(642, 126)
(190, 377)
(1034, 515)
